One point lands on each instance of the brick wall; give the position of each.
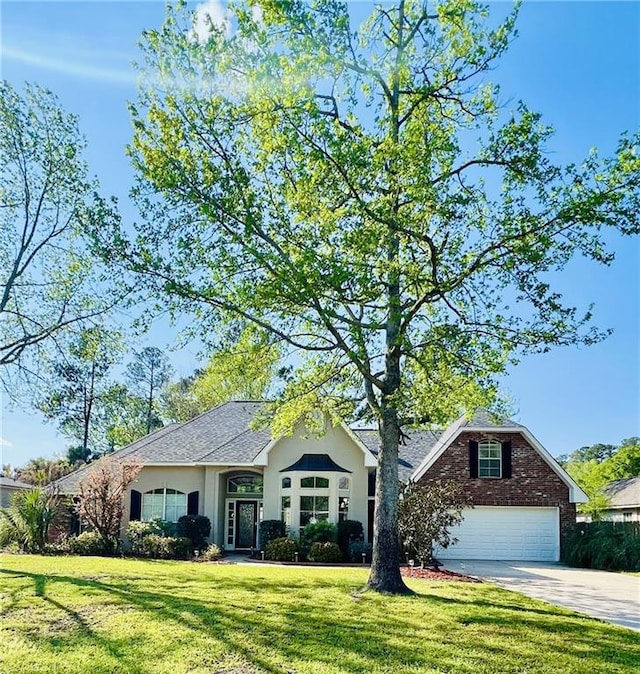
(533, 482)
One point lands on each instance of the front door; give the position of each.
(246, 517)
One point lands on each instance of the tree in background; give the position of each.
(247, 367)
(426, 515)
(149, 372)
(358, 193)
(597, 453)
(81, 380)
(177, 400)
(50, 286)
(41, 471)
(122, 417)
(7, 470)
(596, 466)
(101, 495)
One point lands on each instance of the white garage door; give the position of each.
(509, 533)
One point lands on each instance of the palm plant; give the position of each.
(28, 519)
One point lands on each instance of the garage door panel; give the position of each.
(509, 533)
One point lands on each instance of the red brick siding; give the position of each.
(533, 482)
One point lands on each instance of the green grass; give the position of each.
(94, 615)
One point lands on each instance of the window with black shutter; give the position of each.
(473, 458)
(193, 503)
(135, 510)
(506, 459)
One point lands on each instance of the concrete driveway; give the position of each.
(614, 597)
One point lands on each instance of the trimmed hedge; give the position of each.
(270, 530)
(348, 532)
(196, 528)
(612, 546)
(89, 543)
(282, 549)
(322, 531)
(325, 552)
(356, 548)
(166, 547)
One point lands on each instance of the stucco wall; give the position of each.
(341, 448)
(182, 478)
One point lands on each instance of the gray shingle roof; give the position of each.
(416, 445)
(484, 419)
(10, 483)
(624, 493)
(224, 436)
(221, 435)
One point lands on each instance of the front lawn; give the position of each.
(94, 615)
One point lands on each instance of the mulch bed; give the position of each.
(430, 573)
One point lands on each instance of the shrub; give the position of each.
(349, 531)
(137, 531)
(426, 514)
(89, 543)
(270, 529)
(211, 554)
(153, 545)
(196, 528)
(179, 547)
(325, 552)
(163, 527)
(356, 548)
(62, 546)
(322, 531)
(282, 549)
(166, 547)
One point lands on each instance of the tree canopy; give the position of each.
(595, 466)
(358, 192)
(50, 285)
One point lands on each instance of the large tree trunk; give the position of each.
(385, 566)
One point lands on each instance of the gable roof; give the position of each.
(624, 493)
(370, 460)
(483, 422)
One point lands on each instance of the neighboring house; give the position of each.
(217, 465)
(8, 487)
(624, 500)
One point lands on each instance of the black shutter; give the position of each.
(192, 503)
(136, 506)
(473, 458)
(506, 459)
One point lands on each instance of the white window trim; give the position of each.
(490, 445)
(296, 491)
(153, 492)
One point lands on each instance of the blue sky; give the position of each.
(576, 62)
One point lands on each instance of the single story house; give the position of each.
(219, 466)
(8, 487)
(624, 500)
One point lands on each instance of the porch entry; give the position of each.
(242, 523)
